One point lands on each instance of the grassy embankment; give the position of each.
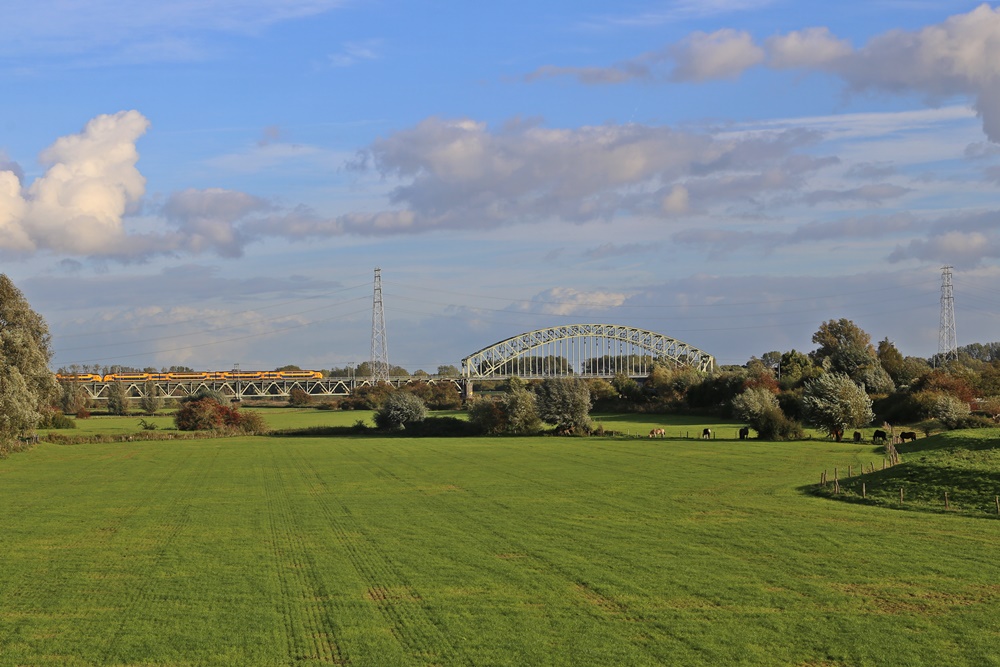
(965, 465)
(566, 551)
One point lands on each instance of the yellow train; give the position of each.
(189, 376)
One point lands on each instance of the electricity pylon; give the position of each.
(380, 349)
(947, 338)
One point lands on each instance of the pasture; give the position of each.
(477, 551)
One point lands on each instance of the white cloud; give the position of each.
(958, 57)
(352, 53)
(78, 204)
(460, 174)
(812, 47)
(723, 54)
(570, 301)
(962, 240)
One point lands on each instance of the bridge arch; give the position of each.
(582, 350)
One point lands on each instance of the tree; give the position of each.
(399, 409)
(891, 359)
(448, 371)
(771, 360)
(118, 401)
(846, 348)
(795, 367)
(759, 408)
(833, 401)
(27, 386)
(72, 399)
(751, 405)
(513, 413)
(565, 403)
(151, 401)
(836, 335)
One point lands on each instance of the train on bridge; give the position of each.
(189, 376)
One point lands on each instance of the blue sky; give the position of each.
(214, 183)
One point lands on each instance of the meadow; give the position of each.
(376, 550)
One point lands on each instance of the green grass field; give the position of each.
(492, 551)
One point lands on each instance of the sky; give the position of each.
(214, 183)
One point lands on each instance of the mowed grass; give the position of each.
(491, 551)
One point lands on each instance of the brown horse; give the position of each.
(657, 433)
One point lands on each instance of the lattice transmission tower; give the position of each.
(380, 348)
(947, 338)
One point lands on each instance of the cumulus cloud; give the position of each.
(723, 54)
(959, 56)
(77, 206)
(570, 301)
(461, 174)
(812, 47)
(964, 240)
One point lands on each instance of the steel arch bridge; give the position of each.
(582, 350)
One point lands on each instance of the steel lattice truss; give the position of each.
(582, 342)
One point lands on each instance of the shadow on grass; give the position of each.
(963, 465)
(972, 440)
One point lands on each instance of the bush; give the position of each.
(83, 413)
(208, 414)
(758, 407)
(951, 411)
(298, 397)
(205, 392)
(56, 420)
(205, 414)
(400, 409)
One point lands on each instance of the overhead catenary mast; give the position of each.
(380, 349)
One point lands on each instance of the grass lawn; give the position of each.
(479, 551)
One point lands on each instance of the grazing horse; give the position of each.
(657, 433)
(879, 436)
(744, 433)
(706, 434)
(907, 435)
(857, 436)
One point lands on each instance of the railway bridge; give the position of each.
(572, 350)
(581, 351)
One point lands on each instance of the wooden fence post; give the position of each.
(900, 495)
(946, 500)
(864, 492)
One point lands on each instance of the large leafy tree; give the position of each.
(846, 348)
(564, 402)
(27, 386)
(399, 409)
(833, 401)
